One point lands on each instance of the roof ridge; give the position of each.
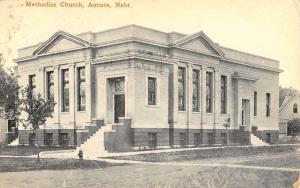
(287, 102)
(249, 53)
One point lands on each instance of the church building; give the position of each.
(133, 88)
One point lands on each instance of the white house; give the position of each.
(288, 111)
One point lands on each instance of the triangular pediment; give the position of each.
(63, 45)
(199, 42)
(61, 41)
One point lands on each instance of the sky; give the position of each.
(269, 28)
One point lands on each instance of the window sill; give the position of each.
(81, 111)
(184, 111)
(152, 106)
(65, 112)
(209, 113)
(224, 114)
(196, 112)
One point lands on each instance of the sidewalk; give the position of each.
(72, 154)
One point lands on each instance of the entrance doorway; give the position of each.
(245, 112)
(119, 107)
(119, 98)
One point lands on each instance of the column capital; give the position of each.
(71, 65)
(41, 69)
(216, 70)
(197, 67)
(56, 66)
(204, 67)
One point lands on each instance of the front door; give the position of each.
(245, 112)
(119, 98)
(119, 107)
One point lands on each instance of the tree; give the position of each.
(38, 111)
(283, 92)
(294, 127)
(227, 125)
(9, 89)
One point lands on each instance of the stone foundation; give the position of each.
(191, 137)
(48, 137)
(124, 138)
(273, 135)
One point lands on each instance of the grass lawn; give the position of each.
(27, 150)
(207, 153)
(8, 164)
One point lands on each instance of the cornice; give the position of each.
(27, 58)
(252, 65)
(267, 58)
(196, 35)
(59, 35)
(155, 43)
(244, 76)
(133, 55)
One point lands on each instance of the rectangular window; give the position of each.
(195, 91)
(223, 94)
(32, 139)
(224, 138)
(181, 89)
(81, 88)
(119, 85)
(151, 91)
(268, 138)
(210, 138)
(32, 85)
(268, 103)
(50, 87)
(196, 139)
(152, 140)
(49, 139)
(209, 92)
(64, 140)
(65, 90)
(182, 139)
(255, 103)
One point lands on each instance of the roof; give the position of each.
(287, 100)
(156, 37)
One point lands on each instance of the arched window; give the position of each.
(295, 108)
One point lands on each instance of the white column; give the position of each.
(189, 94)
(40, 81)
(130, 83)
(72, 95)
(88, 75)
(175, 94)
(189, 99)
(217, 98)
(40, 84)
(203, 96)
(57, 85)
(173, 100)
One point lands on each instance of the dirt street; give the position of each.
(168, 175)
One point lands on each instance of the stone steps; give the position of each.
(94, 145)
(15, 142)
(255, 141)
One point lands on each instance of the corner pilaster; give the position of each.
(88, 75)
